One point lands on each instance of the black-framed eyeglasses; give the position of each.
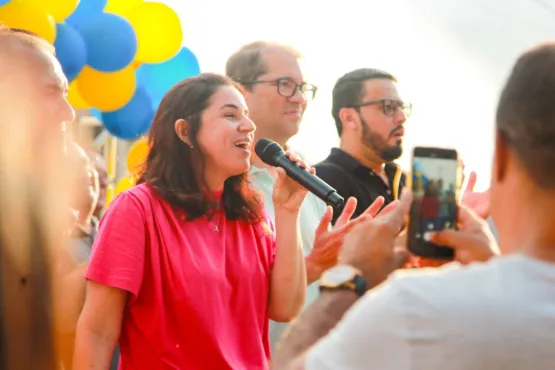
(287, 88)
(389, 106)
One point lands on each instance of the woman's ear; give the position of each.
(181, 127)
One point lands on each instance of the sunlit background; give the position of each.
(451, 57)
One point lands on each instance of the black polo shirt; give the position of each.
(353, 179)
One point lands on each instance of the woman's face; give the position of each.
(225, 136)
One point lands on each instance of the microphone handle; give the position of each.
(311, 182)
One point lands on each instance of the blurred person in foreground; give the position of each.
(35, 268)
(187, 266)
(479, 313)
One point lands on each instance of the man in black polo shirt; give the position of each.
(370, 117)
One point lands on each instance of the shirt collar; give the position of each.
(352, 164)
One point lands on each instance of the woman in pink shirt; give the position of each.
(186, 268)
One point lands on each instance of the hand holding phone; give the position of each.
(435, 183)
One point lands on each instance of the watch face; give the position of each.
(339, 275)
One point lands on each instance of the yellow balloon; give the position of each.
(158, 30)
(126, 183)
(58, 9)
(107, 91)
(136, 157)
(74, 97)
(121, 7)
(29, 17)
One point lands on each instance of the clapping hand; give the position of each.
(478, 202)
(328, 242)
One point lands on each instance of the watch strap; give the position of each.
(357, 285)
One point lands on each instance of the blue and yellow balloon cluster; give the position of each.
(120, 56)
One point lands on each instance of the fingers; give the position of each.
(468, 219)
(325, 221)
(292, 156)
(348, 226)
(387, 209)
(375, 207)
(469, 246)
(281, 175)
(331, 247)
(406, 199)
(295, 158)
(348, 210)
(396, 216)
(450, 238)
(472, 178)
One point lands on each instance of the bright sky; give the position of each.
(451, 57)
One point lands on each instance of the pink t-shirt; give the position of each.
(198, 298)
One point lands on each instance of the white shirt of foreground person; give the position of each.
(312, 211)
(494, 315)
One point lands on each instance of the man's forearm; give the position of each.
(315, 323)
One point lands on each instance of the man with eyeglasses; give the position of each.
(276, 95)
(370, 116)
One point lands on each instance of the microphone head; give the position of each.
(268, 151)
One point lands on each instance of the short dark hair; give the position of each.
(246, 64)
(349, 90)
(169, 167)
(526, 113)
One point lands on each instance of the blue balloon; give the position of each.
(4, 2)
(111, 42)
(86, 9)
(161, 77)
(70, 50)
(96, 113)
(133, 120)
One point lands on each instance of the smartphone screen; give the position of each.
(435, 183)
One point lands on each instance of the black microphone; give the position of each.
(272, 153)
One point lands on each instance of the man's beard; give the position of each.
(379, 145)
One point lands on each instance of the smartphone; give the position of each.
(435, 182)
